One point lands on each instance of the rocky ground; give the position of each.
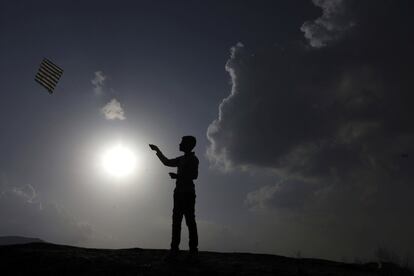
(50, 259)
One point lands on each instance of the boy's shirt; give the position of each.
(187, 169)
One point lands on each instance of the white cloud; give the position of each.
(98, 82)
(113, 110)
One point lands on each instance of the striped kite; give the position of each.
(48, 75)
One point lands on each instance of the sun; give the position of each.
(119, 161)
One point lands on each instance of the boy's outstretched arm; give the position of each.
(163, 159)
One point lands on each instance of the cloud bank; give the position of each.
(330, 121)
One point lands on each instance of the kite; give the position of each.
(48, 75)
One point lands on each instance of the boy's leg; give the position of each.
(176, 230)
(177, 218)
(189, 214)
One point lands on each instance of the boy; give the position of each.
(184, 193)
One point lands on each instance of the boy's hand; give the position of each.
(154, 147)
(173, 175)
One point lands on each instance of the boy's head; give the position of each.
(187, 143)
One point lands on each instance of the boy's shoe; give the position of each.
(171, 256)
(192, 256)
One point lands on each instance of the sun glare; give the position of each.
(119, 161)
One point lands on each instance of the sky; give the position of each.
(301, 111)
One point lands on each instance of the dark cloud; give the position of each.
(334, 22)
(330, 119)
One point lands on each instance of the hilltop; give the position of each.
(9, 240)
(52, 259)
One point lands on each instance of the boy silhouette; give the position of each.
(184, 193)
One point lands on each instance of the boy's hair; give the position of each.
(190, 141)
